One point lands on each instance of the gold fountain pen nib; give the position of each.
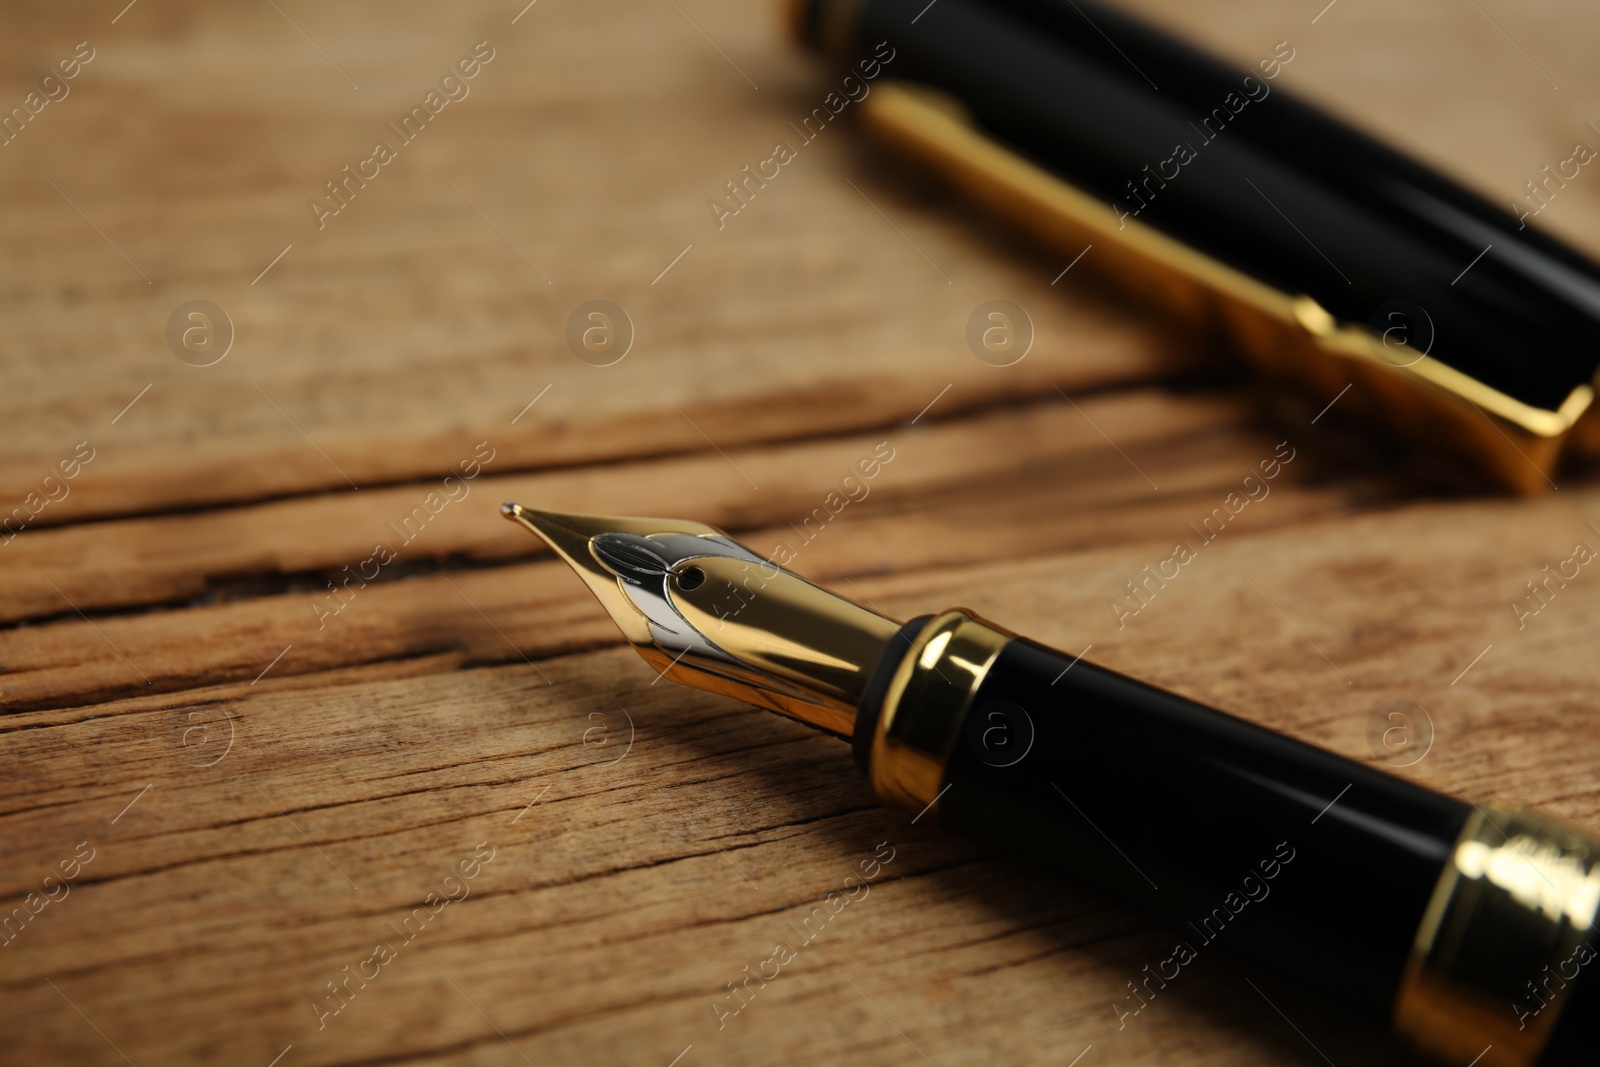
(708, 612)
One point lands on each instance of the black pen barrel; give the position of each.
(1243, 839)
(1464, 925)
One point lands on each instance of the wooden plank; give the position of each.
(178, 557)
(386, 344)
(947, 496)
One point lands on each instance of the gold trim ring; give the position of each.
(925, 705)
(1504, 936)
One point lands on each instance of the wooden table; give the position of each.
(225, 794)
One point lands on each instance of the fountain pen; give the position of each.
(1467, 926)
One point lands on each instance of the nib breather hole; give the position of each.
(691, 579)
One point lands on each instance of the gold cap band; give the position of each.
(1503, 937)
(927, 702)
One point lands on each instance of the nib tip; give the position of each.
(510, 509)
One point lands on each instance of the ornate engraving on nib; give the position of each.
(647, 563)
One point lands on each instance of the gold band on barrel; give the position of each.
(925, 705)
(1506, 933)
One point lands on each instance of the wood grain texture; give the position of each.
(270, 791)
